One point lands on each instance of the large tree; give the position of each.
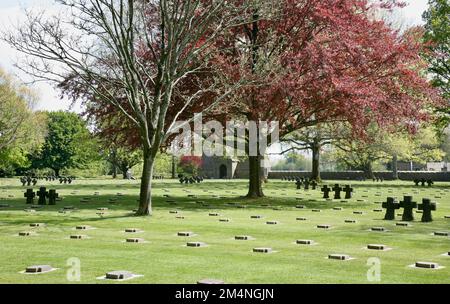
(324, 61)
(22, 130)
(68, 143)
(133, 55)
(437, 27)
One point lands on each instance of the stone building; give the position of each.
(215, 167)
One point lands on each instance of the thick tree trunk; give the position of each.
(315, 175)
(124, 170)
(114, 171)
(395, 166)
(145, 199)
(368, 171)
(255, 177)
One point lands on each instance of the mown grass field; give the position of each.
(166, 259)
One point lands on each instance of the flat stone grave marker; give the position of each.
(378, 229)
(305, 242)
(135, 240)
(441, 233)
(377, 210)
(37, 224)
(132, 230)
(337, 208)
(180, 217)
(302, 219)
(39, 269)
(173, 211)
(214, 214)
(427, 265)
(185, 233)
(195, 244)
(256, 217)
(350, 221)
(26, 233)
(224, 220)
(427, 206)
(300, 207)
(83, 227)
(341, 257)
(377, 247)
(324, 226)
(119, 275)
(242, 237)
(78, 236)
(402, 224)
(316, 210)
(272, 222)
(262, 250)
(102, 209)
(358, 212)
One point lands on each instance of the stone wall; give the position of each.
(356, 175)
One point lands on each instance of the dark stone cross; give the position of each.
(348, 192)
(430, 183)
(423, 181)
(427, 206)
(23, 181)
(30, 196)
(417, 182)
(52, 196)
(408, 205)
(337, 191)
(29, 180)
(34, 181)
(299, 184)
(390, 205)
(42, 194)
(313, 185)
(326, 191)
(306, 184)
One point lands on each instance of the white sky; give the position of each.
(11, 11)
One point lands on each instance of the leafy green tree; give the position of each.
(384, 146)
(68, 144)
(22, 131)
(437, 19)
(292, 162)
(123, 159)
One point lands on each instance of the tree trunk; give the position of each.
(124, 170)
(174, 170)
(56, 172)
(145, 199)
(368, 171)
(255, 177)
(395, 166)
(315, 175)
(114, 171)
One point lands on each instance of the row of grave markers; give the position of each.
(42, 194)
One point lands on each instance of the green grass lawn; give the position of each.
(166, 259)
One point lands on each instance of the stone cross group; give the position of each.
(408, 205)
(42, 195)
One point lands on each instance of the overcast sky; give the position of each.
(11, 11)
